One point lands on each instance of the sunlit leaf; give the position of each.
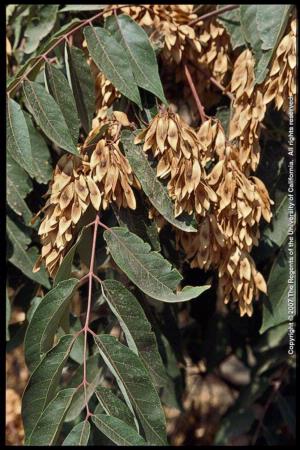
(152, 273)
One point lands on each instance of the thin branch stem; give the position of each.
(216, 12)
(60, 40)
(195, 94)
(86, 328)
(213, 80)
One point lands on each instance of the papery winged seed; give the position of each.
(64, 224)
(95, 195)
(66, 196)
(260, 282)
(37, 265)
(172, 134)
(122, 118)
(161, 132)
(81, 188)
(76, 211)
(60, 181)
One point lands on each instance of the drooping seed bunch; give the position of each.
(70, 193)
(205, 248)
(239, 280)
(242, 202)
(113, 174)
(99, 178)
(181, 158)
(281, 83)
(249, 111)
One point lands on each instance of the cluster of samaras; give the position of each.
(206, 173)
(97, 178)
(228, 204)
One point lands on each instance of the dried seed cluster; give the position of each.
(240, 281)
(71, 191)
(249, 110)
(281, 83)
(113, 174)
(181, 158)
(99, 178)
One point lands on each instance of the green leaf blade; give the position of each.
(18, 141)
(18, 187)
(43, 383)
(135, 384)
(113, 406)
(152, 273)
(117, 431)
(48, 116)
(60, 90)
(79, 435)
(45, 320)
(41, 169)
(109, 56)
(139, 51)
(50, 423)
(140, 339)
(22, 257)
(275, 306)
(82, 85)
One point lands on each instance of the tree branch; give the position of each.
(195, 94)
(59, 41)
